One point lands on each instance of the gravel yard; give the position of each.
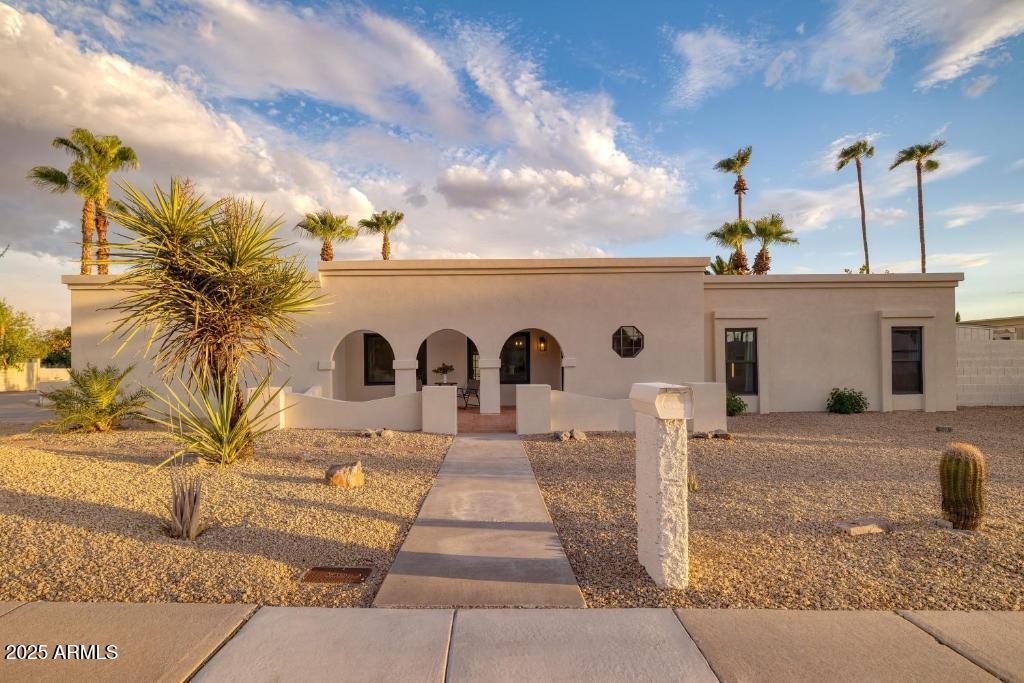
(82, 519)
(761, 532)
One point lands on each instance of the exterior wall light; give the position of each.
(542, 343)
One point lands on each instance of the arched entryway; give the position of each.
(529, 356)
(363, 367)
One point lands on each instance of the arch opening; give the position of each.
(529, 356)
(363, 367)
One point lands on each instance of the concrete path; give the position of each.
(22, 407)
(173, 642)
(483, 537)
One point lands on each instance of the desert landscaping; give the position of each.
(84, 519)
(762, 528)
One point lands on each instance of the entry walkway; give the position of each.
(173, 642)
(483, 537)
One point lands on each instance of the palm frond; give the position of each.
(50, 178)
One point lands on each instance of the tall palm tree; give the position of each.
(861, 148)
(735, 164)
(95, 158)
(328, 227)
(382, 224)
(770, 230)
(923, 163)
(732, 236)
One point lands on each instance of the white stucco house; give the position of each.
(593, 327)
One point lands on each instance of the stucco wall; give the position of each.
(818, 332)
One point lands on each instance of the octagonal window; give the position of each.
(628, 341)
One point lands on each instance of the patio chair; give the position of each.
(471, 390)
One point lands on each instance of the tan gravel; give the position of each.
(761, 525)
(82, 519)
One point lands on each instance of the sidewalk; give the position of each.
(172, 642)
(483, 537)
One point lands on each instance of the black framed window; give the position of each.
(741, 360)
(421, 364)
(628, 341)
(515, 359)
(378, 360)
(472, 360)
(907, 370)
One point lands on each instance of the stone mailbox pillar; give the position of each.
(661, 412)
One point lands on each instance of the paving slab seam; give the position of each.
(250, 615)
(451, 636)
(696, 643)
(906, 615)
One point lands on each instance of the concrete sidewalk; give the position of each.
(483, 537)
(173, 642)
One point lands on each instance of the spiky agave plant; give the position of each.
(962, 475)
(203, 418)
(94, 401)
(186, 498)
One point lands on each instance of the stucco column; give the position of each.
(661, 492)
(568, 373)
(405, 376)
(490, 386)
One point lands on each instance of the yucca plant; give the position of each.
(203, 419)
(94, 402)
(186, 498)
(962, 476)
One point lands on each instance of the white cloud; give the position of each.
(964, 214)
(886, 216)
(825, 162)
(937, 262)
(778, 66)
(1017, 165)
(712, 60)
(800, 28)
(976, 86)
(967, 31)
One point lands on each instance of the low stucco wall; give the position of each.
(313, 412)
(989, 372)
(590, 413)
(30, 375)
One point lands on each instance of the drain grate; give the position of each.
(336, 575)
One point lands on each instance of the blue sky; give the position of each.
(543, 129)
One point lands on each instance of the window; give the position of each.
(628, 341)
(472, 360)
(421, 364)
(907, 376)
(378, 360)
(741, 361)
(515, 359)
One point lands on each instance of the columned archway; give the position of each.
(529, 356)
(363, 367)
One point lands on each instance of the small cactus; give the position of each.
(186, 495)
(962, 475)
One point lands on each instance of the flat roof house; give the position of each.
(596, 326)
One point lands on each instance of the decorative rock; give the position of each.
(865, 525)
(345, 476)
(578, 435)
(386, 434)
(564, 436)
(943, 428)
(724, 435)
(701, 435)
(369, 433)
(943, 523)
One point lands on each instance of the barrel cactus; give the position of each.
(962, 474)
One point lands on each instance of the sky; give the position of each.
(538, 129)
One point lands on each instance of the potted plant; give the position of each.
(443, 369)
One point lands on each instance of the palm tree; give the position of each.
(719, 267)
(770, 230)
(382, 224)
(95, 158)
(324, 225)
(732, 236)
(920, 155)
(736, 164)
(861, 148)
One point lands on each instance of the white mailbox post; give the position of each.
(661, 492)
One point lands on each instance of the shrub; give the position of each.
(205, 421)
(734, 405)
(186, 496)
(962, 476)
(846, 401)
(94, 402)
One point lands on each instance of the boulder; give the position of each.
(579, 435)
(386, 434)
(564, 436)
(369, 433)
(346, 476)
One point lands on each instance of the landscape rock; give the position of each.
(865, 525)
(943, 428)
(579, 435)
(942, 523)
(369, 433)
(700, 435)
(345, 476)
(564, 436)
(386, 434)
(722, 434)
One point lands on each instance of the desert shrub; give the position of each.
(94, 401)
(962, 476)
(846, 401)
(186, 498)
(734, 405)
(203, 419)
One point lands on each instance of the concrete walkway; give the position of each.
(173, 642)
(483, 537)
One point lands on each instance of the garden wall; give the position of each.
(29, 376)
(989, 372)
